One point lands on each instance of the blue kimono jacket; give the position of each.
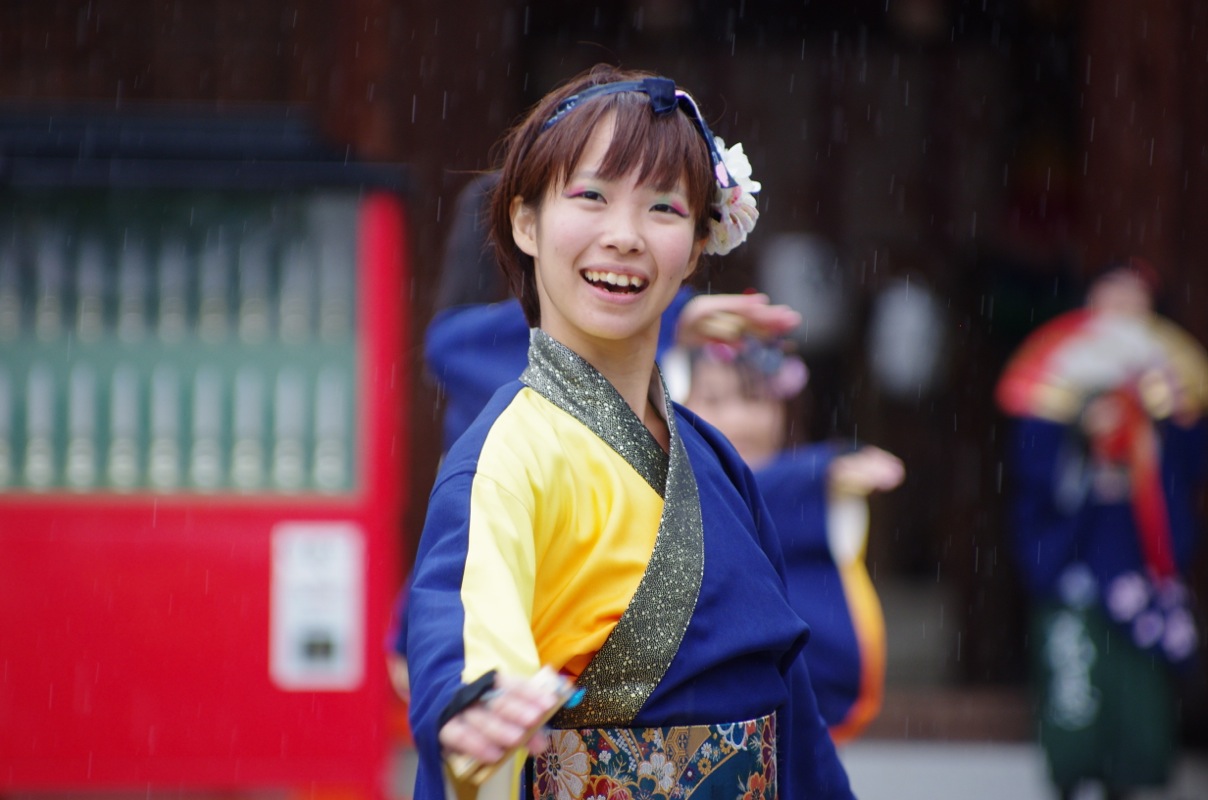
(557, 521)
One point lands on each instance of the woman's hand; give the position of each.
(869, 469)
(508, 717)
(728, 317)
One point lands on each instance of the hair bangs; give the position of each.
(661, 149)
(557, 151)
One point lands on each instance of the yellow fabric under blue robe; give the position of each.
(539, 531)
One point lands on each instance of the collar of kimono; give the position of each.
(636, 655)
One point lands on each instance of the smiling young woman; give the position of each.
(585, 523)
(609, 254)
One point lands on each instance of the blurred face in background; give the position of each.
(1122, 292)
(749, 416)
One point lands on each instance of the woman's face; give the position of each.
(609, 254)
(754, 425)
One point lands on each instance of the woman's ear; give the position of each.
(524, 226)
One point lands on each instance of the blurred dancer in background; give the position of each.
(1108, 453)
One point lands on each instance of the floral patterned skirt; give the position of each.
(731, 760)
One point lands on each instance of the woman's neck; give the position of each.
(628, 366)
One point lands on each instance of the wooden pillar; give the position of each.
(1132, 133)
(1189, 290)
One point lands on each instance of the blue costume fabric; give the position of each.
(471, 351)
(741, 652)
(1060, 519)
(794, 486)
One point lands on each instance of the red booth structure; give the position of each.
(202, 455)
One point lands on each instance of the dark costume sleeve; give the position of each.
(471, 351)
(795, 487)
(1049, 489)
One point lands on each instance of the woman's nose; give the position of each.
(623, 230)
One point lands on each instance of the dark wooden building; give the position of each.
(992, 153)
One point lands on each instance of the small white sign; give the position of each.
(317, 621)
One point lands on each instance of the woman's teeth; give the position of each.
(614, 282)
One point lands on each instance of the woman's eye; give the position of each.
(589, 194)
(669, 208)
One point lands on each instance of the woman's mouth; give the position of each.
(614, 281)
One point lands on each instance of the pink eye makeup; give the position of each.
(581, 188)
(676, 207)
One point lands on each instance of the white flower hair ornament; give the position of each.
(733, 214)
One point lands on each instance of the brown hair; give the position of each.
(663, 148)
